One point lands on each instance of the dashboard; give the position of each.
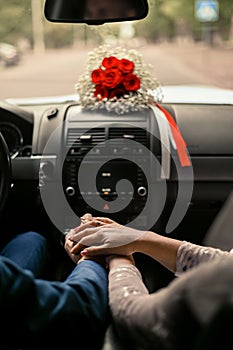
(110, 165)
(16, 128)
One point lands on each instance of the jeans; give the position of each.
(36, 312)
(30, 251)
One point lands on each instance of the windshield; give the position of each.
(187, 42)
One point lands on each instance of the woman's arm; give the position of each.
(103, 237)
(142, 320)
(121, 240)
(172, 317)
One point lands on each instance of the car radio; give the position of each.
(114, 167)
(111, 157)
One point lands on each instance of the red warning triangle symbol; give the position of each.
(106, 207)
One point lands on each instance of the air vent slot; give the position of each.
(83, 137)
(137, 134)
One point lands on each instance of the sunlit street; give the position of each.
(56, 71)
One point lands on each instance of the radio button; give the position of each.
(142, 191)
(70, 191)
(106, 174)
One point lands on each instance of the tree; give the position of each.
(15, 20)
(166, 19)
(169, 18)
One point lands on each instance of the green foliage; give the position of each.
(225, 17)
(171, 18)
(166, 20)
(15, 20)
(158, 23)
(58, 36)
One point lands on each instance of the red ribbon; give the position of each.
(178, 138)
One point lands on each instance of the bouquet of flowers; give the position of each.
(118, 81)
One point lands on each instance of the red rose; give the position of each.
(112, 77)
(117, 92)
(101, 92)
(110, 62)
(126, 66)
(131, 82)
(97, 76)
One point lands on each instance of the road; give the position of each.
(56, 72)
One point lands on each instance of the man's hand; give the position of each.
(69, 244)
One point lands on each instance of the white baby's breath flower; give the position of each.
(149, 92)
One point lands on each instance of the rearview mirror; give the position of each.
(95, 11)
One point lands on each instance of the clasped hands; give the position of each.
(98, 237)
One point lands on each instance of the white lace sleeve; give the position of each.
(190, 255)
(124, 281)
(133, 313)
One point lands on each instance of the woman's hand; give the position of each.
(103, 236)
(69, 244)
(77, 257)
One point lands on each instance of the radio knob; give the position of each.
(70, 191)
(142, 191)
(46, 169)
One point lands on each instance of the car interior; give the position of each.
(59, 161)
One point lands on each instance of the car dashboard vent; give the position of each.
(83, 137)
(136, 134)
